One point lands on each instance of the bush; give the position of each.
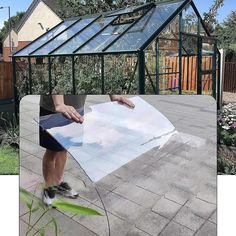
(9, 133)
(225, 166)
(227, 125)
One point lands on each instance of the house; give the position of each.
(1, 49)
(41, 16)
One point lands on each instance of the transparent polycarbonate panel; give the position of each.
(121, 74)
(168, 66)
(207, 84)
(126, 10)
(208, 47)
(61, 75)
(207, 63)
(63, 37)
(88, 74)
(40, 75)
(172, 30)
(203, 31)
(134, 38)
(22, 77)
(190, 20)
(84, 36)
(189, 45)
(104, 38)
(189, 74)
(40, 41)
(120, 136)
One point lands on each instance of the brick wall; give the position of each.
(6, 54)
(6, 50)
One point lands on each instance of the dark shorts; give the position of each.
(45, 139)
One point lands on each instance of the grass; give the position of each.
(9, 160)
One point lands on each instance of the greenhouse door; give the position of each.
(207, 51)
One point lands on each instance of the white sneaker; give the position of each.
(49, 195)
(65, 190)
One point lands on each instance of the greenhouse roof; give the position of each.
(126, 30)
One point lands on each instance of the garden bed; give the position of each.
(227, 139)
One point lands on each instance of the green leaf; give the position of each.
(34, 209)
(28, 198)
(55, 226)
(73, 208)
(42, 232)
(25, 196)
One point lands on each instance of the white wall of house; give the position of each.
(14, 40)
(32, 29)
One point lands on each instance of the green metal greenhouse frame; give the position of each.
(88, 41)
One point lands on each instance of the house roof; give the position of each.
(52, 4)
(13, 29)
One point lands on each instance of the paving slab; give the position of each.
(152, 223)
(166, 208)
(207, 229)
(168, 191)
(187, 218)
(175, 229)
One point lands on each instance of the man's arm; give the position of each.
(68, 111)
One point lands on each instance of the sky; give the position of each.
(22, 5)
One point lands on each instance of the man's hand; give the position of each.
(122, 100)
(69, 112)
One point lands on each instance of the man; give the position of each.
(54, 159)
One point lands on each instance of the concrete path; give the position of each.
(171, 191)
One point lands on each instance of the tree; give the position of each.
(210, 17)
(14, 21)
(227, 36)
(83, 7)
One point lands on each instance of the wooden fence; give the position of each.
(230, 77)
(189, 73)
(6, 90)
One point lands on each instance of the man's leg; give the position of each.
(60, 163)
(53, 167)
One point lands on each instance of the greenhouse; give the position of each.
(156, 48)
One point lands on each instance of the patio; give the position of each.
(163, 192)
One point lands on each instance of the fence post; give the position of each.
(73, 76)
(199, 74)
(157, 67)
(141, 59)
(180, 52)
(30, 76)
(102, 74)
(214, 72)
(15, 93)
(220, 86)
(50, 75)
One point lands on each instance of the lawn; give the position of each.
(9, 160)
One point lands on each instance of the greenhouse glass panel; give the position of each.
(78, 40)
(190, 45)
(63, 37)
(145, 27)
(171, 31)
(48, 36)
(190, 21)
(129, 10)
(208, 47)
(104, 38)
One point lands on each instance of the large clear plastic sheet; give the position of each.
(111, 136)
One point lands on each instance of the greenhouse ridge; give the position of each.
(126, 30)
